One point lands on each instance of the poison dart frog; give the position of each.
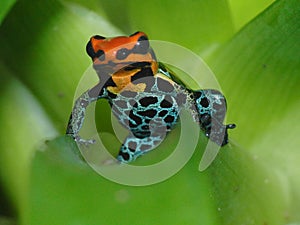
(145, 96)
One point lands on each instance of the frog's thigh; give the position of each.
(211, 102)
(134, 147)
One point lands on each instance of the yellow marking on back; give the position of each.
(122, 79)
(130, 87)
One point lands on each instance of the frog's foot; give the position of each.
(134, 147)
(230, 126)
(85, 142)
(219, 133)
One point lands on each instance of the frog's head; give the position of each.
(113, 56)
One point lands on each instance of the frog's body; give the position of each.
(144, 97)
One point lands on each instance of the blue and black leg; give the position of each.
(78, 113)
(134, 147)
(211, 107)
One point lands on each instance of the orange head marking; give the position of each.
(110, 55)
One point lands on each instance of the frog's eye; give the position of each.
(142, 45)
(122, 53)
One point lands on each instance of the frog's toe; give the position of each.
(230, 126)
(85, 142)
(219, 133)
(126, 154)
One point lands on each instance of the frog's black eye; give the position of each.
(122, 53)
(142, 45)
(98, 37)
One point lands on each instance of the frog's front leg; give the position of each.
(134, 147)
(211, 107)
(78, 113)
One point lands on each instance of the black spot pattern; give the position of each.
(132, 146)
(141, 134)
(132, 125)
(111, 95)
(145, 127)
(169, 119)
(149, 113)
(204, 102)
(145, 72)
(148, 101)
(163, 113)
(135, 118)
(125, 155)
(166, 103)
(197, 94)
(155, 111)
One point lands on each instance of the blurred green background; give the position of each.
(253, 47)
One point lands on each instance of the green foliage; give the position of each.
(243, 11)
(5, 6)
(254, 180)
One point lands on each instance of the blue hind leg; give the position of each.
(134, 147)
(211, 107)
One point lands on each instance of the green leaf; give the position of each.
(5, 6)
(89, 198)
(7, 221)
(50, 57)
(259, 70)
(279, 150)
(189, 197)
(244, 11)
(198, 25)
(23, 126)
(245, 191)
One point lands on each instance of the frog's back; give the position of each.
(155, 109)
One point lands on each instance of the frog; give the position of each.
(145, 96)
